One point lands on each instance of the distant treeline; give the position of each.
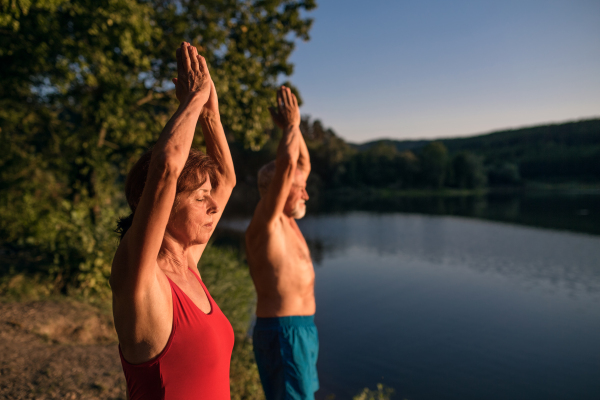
(568, 152)
(558, 153)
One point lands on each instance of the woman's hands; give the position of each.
(211, 108)
(193, 78)
(287, 113)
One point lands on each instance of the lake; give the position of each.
(449, 307)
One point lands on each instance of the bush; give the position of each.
(382, 393)
(228, 281)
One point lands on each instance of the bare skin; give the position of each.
(277, 253)
(164, 241)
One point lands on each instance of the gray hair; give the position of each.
(265, 176)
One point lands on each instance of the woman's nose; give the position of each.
(214, 207)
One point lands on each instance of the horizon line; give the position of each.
(468, 135)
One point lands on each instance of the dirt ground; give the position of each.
(58, 350)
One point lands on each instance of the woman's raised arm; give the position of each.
(137, 264)
(218, 149)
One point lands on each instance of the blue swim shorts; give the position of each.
(286, 350)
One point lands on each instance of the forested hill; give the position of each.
(567, 153)
(557, 152)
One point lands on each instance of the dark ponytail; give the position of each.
(123, 225)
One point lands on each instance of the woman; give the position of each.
(174, 341)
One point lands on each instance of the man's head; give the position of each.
(295, 206)
(265, 176)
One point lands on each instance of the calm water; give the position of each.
(448, 307)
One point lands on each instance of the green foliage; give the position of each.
(329, 153)
(85, 89)
(468, 171)
(503, 174)
(337, 165)
(434, 164)
(381, 393)
(554, 153)
(228, 280)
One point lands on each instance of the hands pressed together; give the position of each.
(193, 79)
(287, 113)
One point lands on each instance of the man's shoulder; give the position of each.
(263, 221)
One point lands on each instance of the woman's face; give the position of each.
(191, 222)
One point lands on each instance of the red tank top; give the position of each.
(195, 362)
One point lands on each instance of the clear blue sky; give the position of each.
(438, 68)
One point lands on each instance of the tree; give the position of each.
(328, 152)
(469, 172)
(85, 89)
(504, 174)
(434, 164)
(408, 168)
(376, 166)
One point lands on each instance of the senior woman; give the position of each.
(174, 341)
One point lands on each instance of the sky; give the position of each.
(411, 69)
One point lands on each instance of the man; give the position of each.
(285, 337)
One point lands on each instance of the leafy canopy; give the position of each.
(85, 88)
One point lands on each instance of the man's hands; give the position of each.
(193, 78)
(287, 113)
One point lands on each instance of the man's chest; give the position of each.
(294, 244)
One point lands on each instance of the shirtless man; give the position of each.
(285, 337)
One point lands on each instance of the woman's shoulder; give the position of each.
(119, 264)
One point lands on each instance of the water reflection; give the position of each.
(574, 211)
(445, 306)
(456, 308)
(529, 255)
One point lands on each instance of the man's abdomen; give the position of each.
(281, 294)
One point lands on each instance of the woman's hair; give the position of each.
(193, 175)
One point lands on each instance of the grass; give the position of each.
(225, 275)
(381, 393)
(227, 278)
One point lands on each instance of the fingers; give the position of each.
(213, 90)
(286, 96)
(280, 102)
(186, 63)
(193, 53)
(203, 68)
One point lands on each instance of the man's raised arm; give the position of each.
(304, 158)
(287, 117)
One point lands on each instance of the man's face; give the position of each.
(294, 206)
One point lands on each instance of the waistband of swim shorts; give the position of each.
(276, 322)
